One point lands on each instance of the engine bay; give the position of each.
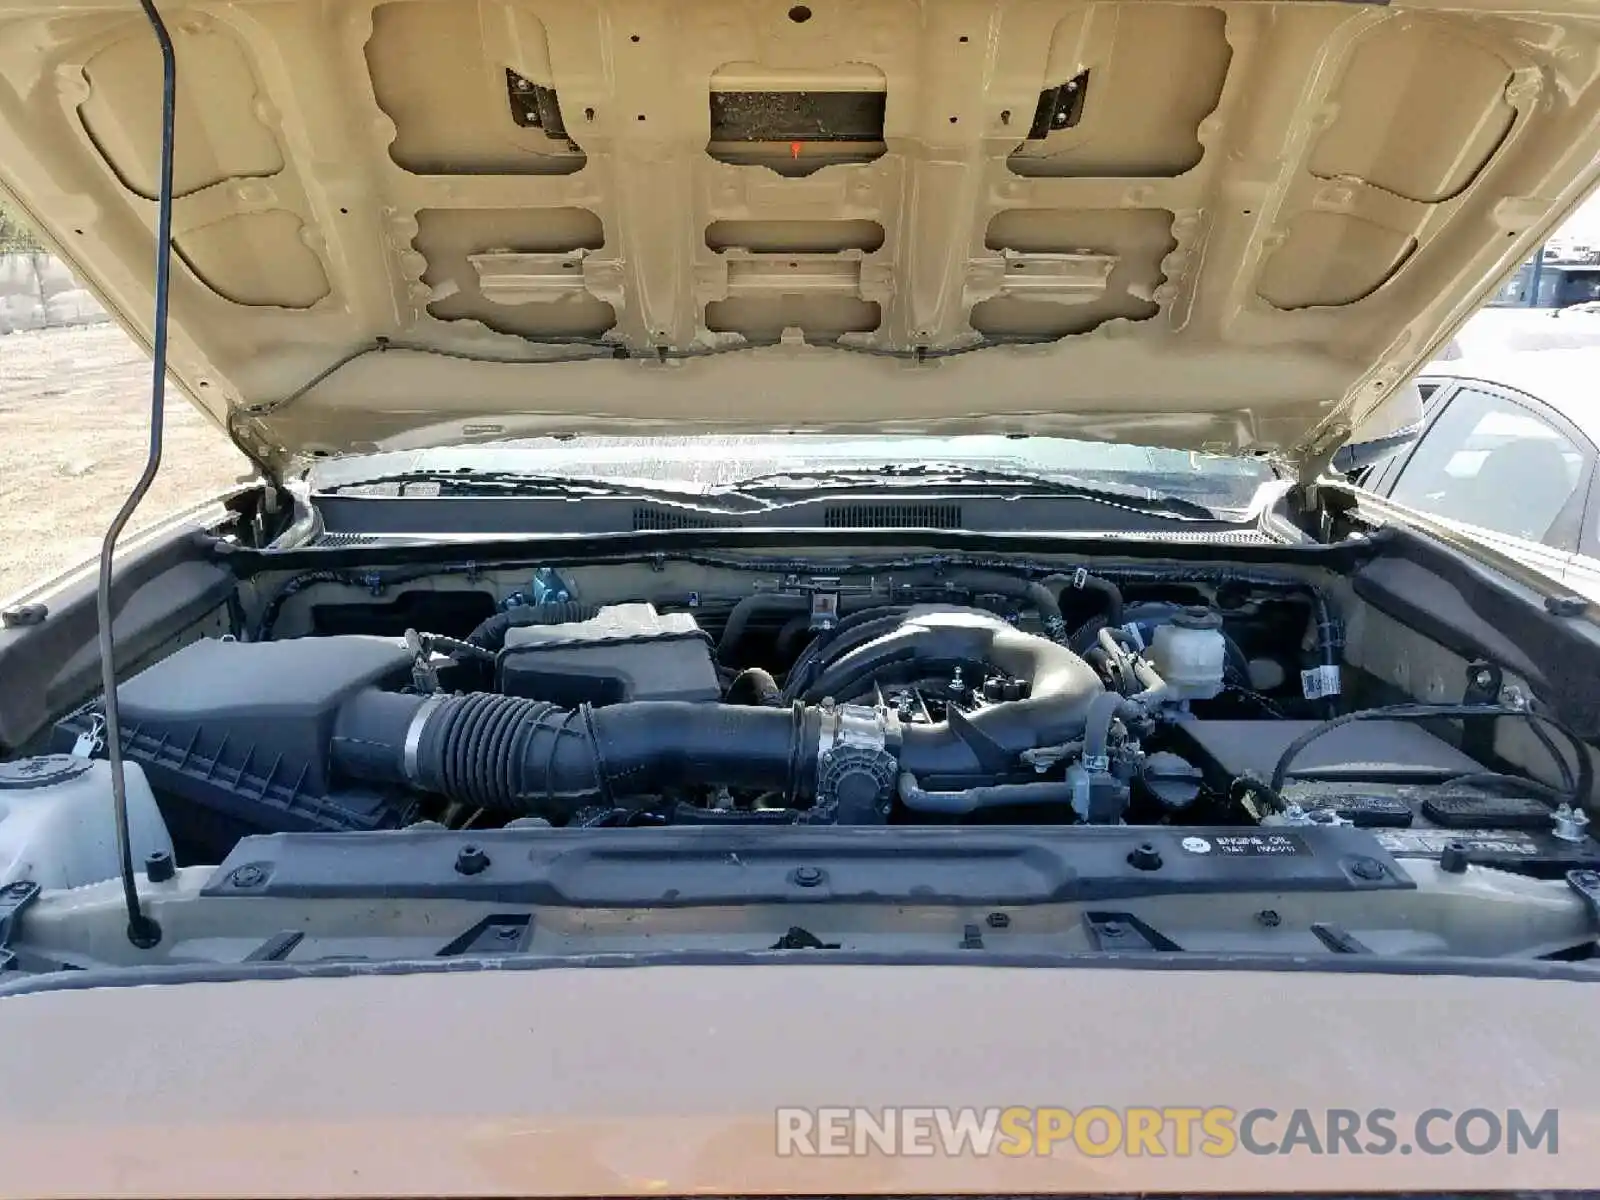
(937, 696)
(1158, 752)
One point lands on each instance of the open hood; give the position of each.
(1228, 226)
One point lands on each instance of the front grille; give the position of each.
(892, 516)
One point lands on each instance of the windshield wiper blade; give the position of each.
(466, 482)
(802, 479)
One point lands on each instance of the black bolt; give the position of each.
(998, 920)
(472, 860)
(1367, 868)
(1145, 857)
(1269, 918)
(807, 876)
(507, 933)
(159, 867)
(1113, 929)
(247, 877)
(1453, 859)
(20, 888)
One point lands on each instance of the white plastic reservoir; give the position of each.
(57, 827)
(1189, 653)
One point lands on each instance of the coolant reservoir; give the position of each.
(1189, 652)
(57, 825)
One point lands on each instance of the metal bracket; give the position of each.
(1484, 680)
(491, 937)
(1338, 939)
(14, 897)
(798, 938)
(1061, 278)
(1124, 931)
(739, 272)
(505, 277)
(276, 948)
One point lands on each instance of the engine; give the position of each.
(909, 707)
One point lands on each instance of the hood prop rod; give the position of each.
(143, 931)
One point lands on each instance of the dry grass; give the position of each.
(73, 438)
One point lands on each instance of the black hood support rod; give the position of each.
(142, 929)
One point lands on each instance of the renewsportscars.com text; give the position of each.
(1214, 1132)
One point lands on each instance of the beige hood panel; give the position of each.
(1220, 224)
(665, 1080)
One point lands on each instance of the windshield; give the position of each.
(707, 464)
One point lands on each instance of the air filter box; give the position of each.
(625, 652)
(233, 736)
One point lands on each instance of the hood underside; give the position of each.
(1227, 226)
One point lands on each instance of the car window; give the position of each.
(1490, 462)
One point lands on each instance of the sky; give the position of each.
(1584, 225)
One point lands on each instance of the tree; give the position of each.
(15, 236)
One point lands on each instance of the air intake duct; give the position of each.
(530, 756)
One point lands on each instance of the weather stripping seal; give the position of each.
(1333, 964)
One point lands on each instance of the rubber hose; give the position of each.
(530, 756)
(754, 686)
(1109, 594)
(1097, 725)
(491, 633)
(966, 800)
(746, 610)
(1041, 597)
(854, 631)
(788, 646)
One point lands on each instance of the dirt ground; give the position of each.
(73, 421)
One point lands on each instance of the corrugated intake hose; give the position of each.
(530, 756)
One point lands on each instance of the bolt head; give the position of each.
(471, 860)
(1144, 857)
(807, 876)
(1367, 868)
(247, 877)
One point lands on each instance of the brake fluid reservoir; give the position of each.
(1189, 652)
(57, 826)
